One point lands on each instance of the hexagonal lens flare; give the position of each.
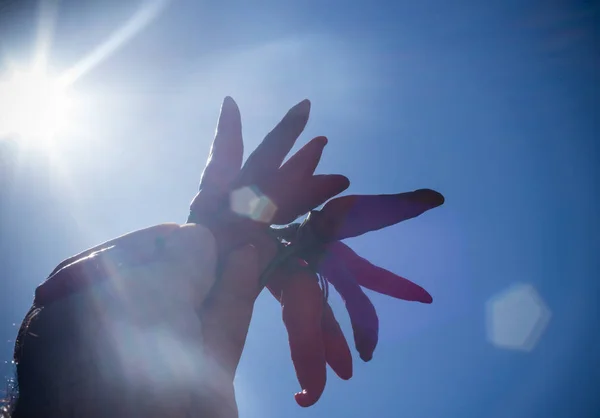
(251, 203)
(517, 318)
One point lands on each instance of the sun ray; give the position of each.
(45, 33)
(143, 16)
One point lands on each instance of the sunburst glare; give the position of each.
(33, 106)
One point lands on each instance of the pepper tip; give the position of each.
(431, 197)
(304, 399)
(366, 356)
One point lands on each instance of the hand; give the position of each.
(156, 335)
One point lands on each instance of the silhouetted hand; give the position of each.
(164, 336)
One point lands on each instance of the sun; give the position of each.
(34, 107)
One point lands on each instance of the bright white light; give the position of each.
(33, 106)
(252, 204)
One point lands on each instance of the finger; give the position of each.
(227, 313)
(302, 304)
(97, 264)
(142, 240)
(305, 161)
(269, 155)
(164, 285)
(106, 264)
(337, 351)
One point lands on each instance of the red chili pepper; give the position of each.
(269, 155)
(337, 351)
(294, 198)
(302, 310)
(363, 316)
(376, 278)
(354, 215)
(227, 150)
(224, 161)
(304, 162)
(295, 190)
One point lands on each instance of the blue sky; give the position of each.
(495, 104)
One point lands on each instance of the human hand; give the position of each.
(150, 331)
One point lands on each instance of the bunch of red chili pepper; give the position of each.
(311, 254)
